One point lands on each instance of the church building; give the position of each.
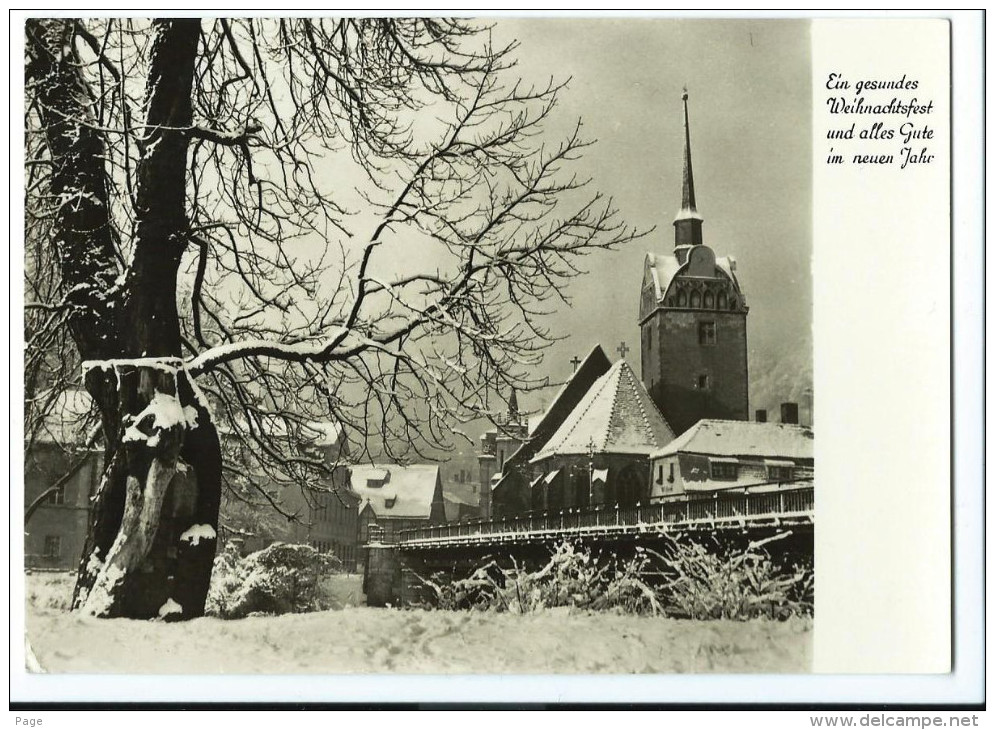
(692, 316)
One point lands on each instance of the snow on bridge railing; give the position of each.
(742, 506)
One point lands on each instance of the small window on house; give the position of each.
(706, 333)
(659, 474)
(57, 497)
(703, 382)
(779, 473)
(53, 546)
(724, 470)
(671, 477)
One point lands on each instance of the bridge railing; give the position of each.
(748, 505)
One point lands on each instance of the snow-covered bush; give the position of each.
(685, 580)
(724, 583)
(573, 577)
(282, 578)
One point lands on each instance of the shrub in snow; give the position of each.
(571, 578)
(687, 580)
(282, 578)
(738, 584)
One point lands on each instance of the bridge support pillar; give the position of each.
(382, 576)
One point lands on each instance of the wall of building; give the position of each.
(628, 476)
(54, 536)
(674, 361)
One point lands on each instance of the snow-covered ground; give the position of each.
(360, 639)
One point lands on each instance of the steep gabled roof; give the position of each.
(616, 415)
(407, 491)
(716, 437)
(594, 366)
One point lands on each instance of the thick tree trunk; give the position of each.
(151, 542)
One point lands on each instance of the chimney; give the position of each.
(761, 415)
(789, 413)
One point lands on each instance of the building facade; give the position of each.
(716, 456)
(497, 446)
(692, 317)
(58, 455)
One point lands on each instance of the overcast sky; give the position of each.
(750, 108)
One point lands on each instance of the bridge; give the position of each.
(392, 569)
(749, 511)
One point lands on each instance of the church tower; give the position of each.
(692, 314)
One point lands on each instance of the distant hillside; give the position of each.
(780, 374)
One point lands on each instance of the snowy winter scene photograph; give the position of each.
(421, 346)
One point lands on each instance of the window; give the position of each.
(706, 333)
(724, 470)
(57, 497)
(695, 299)
(703, 382)
(682, 298)
(709, 300)
(721, 303)
(671, 477)
(659, 474)
(53, 546)
(779, 473)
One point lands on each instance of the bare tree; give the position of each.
(246, 226)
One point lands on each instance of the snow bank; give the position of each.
(370, 640)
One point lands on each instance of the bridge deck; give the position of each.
(737, 512)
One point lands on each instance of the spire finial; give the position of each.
(687, 224)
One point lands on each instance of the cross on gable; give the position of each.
(622, 349)
(575, 362)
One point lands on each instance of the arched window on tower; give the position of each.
(709, 300)
(682, 298)
(695, 299)
(720, 302)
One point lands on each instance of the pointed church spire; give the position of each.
(687, 224)
(513, 407)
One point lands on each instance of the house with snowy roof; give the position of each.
(721, 456)
(394, 498)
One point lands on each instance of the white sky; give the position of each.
(750, 108)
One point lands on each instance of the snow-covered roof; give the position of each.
(715, 437)
(68, 419)
(616, 415)
(408, 490)
(596, 354)
(665, 267)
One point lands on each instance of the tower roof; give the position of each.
(687, 222)
(688, 207)
(616, 415)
